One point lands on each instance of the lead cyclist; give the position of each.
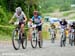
(20, 18)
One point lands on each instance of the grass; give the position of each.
(73, 18)
(45, 35)
(68, 13)
(6, 33)
(5, 37)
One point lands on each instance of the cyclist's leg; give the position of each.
(22, 26)
(54, 33)
(40, 31)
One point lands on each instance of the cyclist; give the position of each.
(21, 18)
(54, 28)
(63, 24)
(72, 29)
(36, 19)
(53, 32)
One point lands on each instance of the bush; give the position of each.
(51, 9)
(3, 18)
(65, 7)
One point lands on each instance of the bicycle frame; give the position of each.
(63, 34)
(34, 30)
(52, 32)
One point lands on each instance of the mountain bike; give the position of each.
(35, 39)
(53, 35)
(63, 37)
(72, 37)
(18, 38)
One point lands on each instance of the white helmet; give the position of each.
(18, 9)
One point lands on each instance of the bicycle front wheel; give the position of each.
(15, 40)
(34, 40)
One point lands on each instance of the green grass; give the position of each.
(45, 35)
(68, 13)
(5, 37)
(73, 18)
(6, 34)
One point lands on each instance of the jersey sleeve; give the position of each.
(40, 17)
(60, 22)
(33, 18)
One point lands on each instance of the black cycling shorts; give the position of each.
(39, 28)
(20, 23)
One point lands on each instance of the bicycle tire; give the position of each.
(24, 41)
(33, 45)
(14, 45)
(40, 43)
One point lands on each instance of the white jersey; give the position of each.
(20, 18)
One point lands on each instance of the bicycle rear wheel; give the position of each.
(34, 40)
(40, 43)
(24, 41)
(63, 40)
(15, 40)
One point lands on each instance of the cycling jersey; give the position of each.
(37, 20)
(72, 25)
(63, 24)
(20, 18)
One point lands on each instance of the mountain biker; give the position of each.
(36, 19)
(63, 24)
(71, 30)
(21, 18)
(54, 28)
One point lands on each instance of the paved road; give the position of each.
(48, 49)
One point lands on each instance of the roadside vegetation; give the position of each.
(47, 7)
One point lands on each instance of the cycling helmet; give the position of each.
(18, 9)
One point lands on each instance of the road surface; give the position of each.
(48, 49)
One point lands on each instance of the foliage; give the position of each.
(65, 7)
(7, 8)
(62, 5)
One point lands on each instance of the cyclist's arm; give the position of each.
(41, 19)
(11, 20)
(25, 18)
